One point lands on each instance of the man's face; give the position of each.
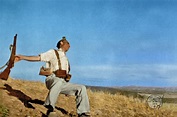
(66, 46)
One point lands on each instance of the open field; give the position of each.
(19, 98)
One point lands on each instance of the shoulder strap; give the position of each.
(59, 63)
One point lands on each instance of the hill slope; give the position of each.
(19, 98)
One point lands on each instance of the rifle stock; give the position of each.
(5, 74)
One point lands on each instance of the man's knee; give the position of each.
(81, 90)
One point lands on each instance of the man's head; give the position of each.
(63, 44)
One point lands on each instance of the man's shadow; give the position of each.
(27, 100)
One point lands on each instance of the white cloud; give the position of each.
(156, 74)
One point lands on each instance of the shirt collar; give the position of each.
(60, 49)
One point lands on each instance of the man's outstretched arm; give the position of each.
(27, 58)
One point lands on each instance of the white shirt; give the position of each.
(51, 60)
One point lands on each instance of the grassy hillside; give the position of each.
(19, 98)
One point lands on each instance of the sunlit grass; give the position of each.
(102, 103)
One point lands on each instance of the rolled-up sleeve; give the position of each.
(46, 56)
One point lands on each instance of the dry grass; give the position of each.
(172, 107)
(15, 94)
(108, 105)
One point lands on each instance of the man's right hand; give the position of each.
(17, 58)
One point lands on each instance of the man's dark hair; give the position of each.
(62, 40)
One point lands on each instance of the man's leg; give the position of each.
(82, 101)
(54, 85)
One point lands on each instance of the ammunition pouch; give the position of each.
(62, 74)
(45, 71)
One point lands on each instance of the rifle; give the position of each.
(5, 74)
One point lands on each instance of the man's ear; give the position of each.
(61, 43)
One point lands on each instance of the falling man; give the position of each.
(57, 60)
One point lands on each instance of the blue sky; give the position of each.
(113, 42)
